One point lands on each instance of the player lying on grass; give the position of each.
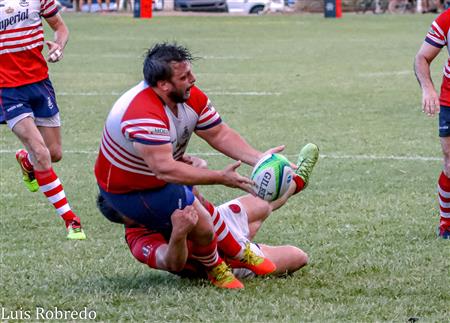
(241, 217)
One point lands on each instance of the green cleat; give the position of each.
(307, 159)
(75, 232)
(27, 175)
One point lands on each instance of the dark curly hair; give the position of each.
(158, 58)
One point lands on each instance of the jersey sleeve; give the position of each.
(145, 122)
(48, 8)
(437, 34)
(208, 116)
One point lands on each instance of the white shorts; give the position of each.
(51, 122)
(236, 219)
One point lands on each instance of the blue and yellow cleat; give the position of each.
(307, 159)
(27, 175)
(75, 232)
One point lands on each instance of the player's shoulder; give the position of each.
(198, 100)
(443, 18)
(142, 101)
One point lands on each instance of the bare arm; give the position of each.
(230, 143)
(173, 256)
(422, 62)
(57, 46)
(159, 159)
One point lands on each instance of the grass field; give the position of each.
(367, 220)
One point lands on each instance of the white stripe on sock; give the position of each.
(50, 186)
(63, 209)
(57, 197)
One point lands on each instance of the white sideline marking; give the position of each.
(209, 92)
(394, 73)
(330, 156)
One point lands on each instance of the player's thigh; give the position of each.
(151, 208)
(26, 130)
(287, 258)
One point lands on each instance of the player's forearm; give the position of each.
(422, 72)
(62, 36)
(181, 173)
(236, 147)
(61, 32)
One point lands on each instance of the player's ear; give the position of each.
(163, 85)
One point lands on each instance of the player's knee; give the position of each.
(41, 156)
(299, 258)
(55, 154)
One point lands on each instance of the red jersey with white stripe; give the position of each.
(22, 40)
(140, 116)
(438, 36)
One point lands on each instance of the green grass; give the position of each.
(367, 224)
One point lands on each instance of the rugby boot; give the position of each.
(443, 229)
(250, 260)
(74, 230)
(307, 159)
(27, 170)
(222, 277)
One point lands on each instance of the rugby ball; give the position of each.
(272, 176)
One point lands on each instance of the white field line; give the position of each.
(229, 93)
(382, 74)
(324, 156)
(122, 55)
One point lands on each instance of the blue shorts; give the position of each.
(151, 208)
(37, 99)
(444, 121)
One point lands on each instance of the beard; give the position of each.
(179, 97)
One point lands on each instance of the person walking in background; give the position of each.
(27, 98)
(433, 103)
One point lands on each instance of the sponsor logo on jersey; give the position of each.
(160, 131)
(18, 17)
(24, 3)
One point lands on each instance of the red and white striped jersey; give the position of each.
(140, 116)
(22, 40)
(438, 36)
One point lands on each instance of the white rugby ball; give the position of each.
(272, 176)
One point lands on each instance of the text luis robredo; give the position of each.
(40, 313)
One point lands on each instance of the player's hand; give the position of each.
(183, 221)
(430, 102)
(194, 161)
(277, 150)
(232, 179)
(55, 52)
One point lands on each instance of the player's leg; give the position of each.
(153, 209)
(444, 191)
(35, 161)
(236, 250)
(444, 178)
(52, 139)
(38, 163)
(288, 259)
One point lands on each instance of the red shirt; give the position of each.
(438, 36)
(140, 116)
(22, 40)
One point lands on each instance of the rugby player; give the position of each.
(27, 97)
